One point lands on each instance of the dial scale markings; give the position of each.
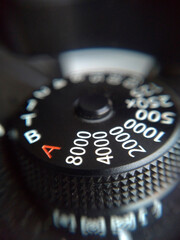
(142, 103)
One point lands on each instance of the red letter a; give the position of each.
(45, 147)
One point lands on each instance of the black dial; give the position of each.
(98, 148)
(117, 124)
(107, 128)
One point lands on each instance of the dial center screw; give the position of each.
(94, 106)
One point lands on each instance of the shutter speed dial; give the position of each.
(107, 141)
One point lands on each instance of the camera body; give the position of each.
(34, 37)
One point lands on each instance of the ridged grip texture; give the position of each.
(104, 192)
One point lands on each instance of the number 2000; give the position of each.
(127, 143)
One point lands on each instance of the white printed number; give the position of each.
(103, 152)
(78, 150)
(42, 93)
(152, 102)
(148, 132)
(74, 160)
(155, 116)
(146, 90)
(127, 143)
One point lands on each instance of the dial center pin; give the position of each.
(93, 107)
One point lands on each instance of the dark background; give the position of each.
(50, 26)
(32, 33)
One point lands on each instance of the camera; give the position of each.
(89, 123)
